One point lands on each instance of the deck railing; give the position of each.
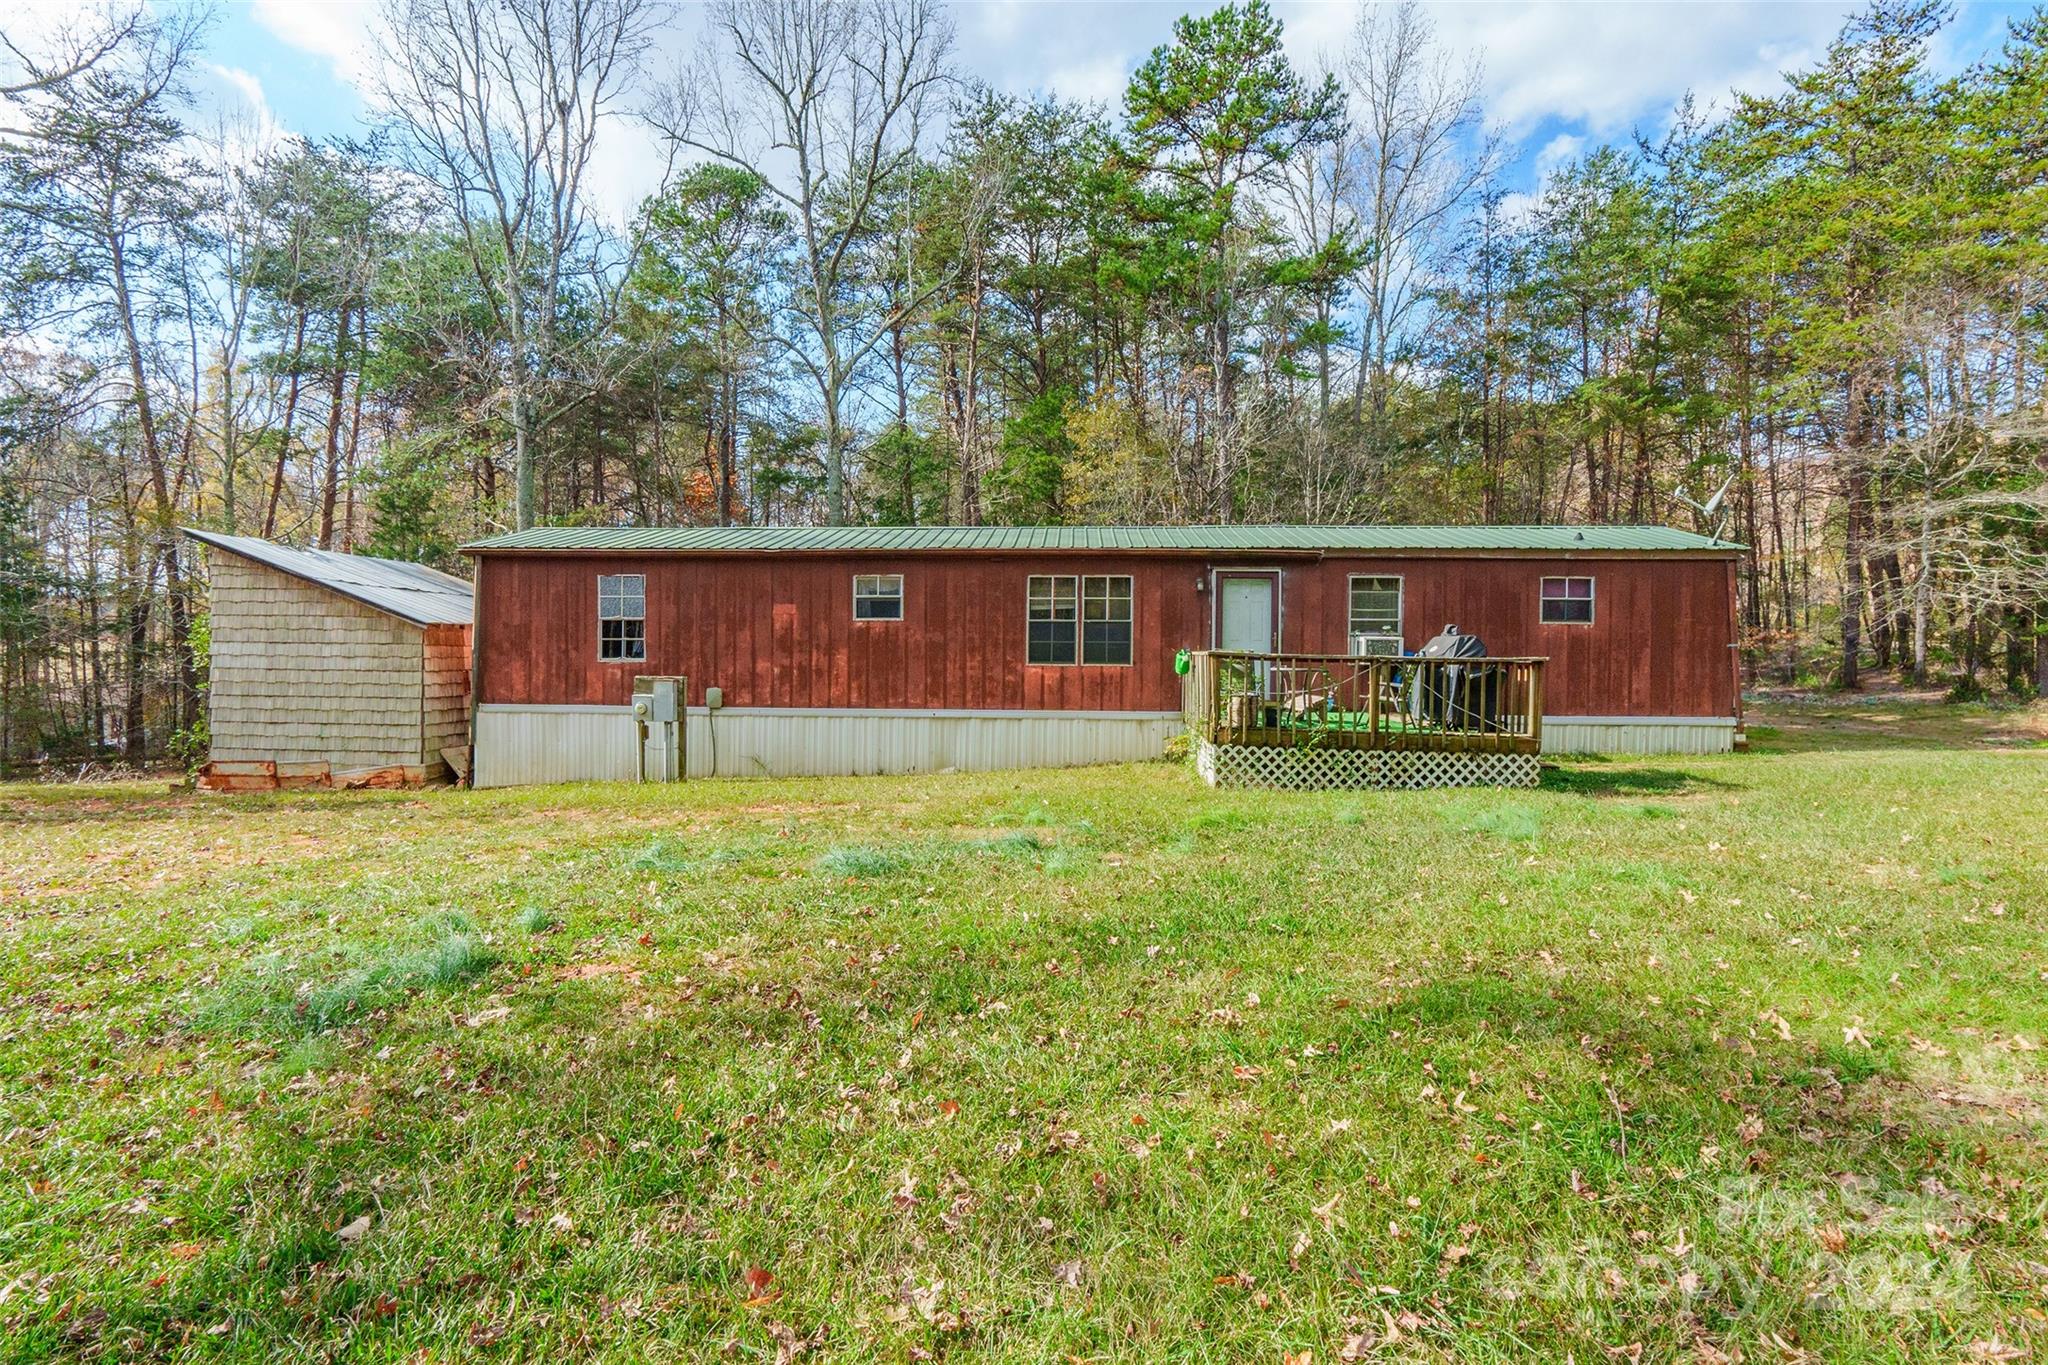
(1483, 705)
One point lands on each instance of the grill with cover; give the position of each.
(1461, 697)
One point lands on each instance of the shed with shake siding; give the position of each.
(333, 669)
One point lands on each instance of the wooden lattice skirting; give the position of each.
(1242, 765)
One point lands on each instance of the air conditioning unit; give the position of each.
(1376, 646)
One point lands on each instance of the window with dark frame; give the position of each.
(1567, 601)
(878, 597)
(1375, 605)
(621, 618)
(1078, 619)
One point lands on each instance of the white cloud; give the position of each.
(1099, 80)
(248, 126)
(1560, 150)
(338, 30)
(1609, 67)
(625, 167)
(1518, 207)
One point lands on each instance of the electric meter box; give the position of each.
(657, 701)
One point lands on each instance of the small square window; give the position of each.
(878, 597)
(1567, 601)
(621, 618)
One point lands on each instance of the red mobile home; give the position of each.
(879, 649)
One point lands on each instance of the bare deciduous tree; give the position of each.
(500, 103)
(78, 43)
(1976, 525)
(1415, 108)
(827, 100)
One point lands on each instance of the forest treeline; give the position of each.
(870, 290)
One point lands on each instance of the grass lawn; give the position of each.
(1672, 1059)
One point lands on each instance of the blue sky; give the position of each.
(1559, 78)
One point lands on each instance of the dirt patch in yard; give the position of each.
(591, 971)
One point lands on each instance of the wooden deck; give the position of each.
(1335, 701)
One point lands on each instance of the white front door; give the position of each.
(1247, 615)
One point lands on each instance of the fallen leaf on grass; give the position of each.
(489, 1016)
(760, 1286)
(353, 1230)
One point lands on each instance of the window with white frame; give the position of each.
(1106, 619)
(621, 618)
(1052, 619)
(1375, 605)
(878, 597)
(1567, 601)
(1078, 619)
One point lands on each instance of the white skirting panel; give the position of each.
(1638, 734)
(527, 745)
(520, 745)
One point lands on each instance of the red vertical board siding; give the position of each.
(778, 630)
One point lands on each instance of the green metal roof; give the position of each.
(916, 539)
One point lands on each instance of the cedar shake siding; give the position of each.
(309, 684)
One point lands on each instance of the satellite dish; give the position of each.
(1706, 511)
(1714, 503)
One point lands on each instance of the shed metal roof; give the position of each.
(911, 539)
(411, 592)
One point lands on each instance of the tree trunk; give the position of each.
(284, 433)
(355, 431)
(331, 482)
(135, 740)
(522, 462)
(1220, 424)
(835, 467)
(1923, 598)
(1856, 494)
(2041, 651)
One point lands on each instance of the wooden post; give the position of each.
(1372, 701)
(476, 658)
(1535, 668)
